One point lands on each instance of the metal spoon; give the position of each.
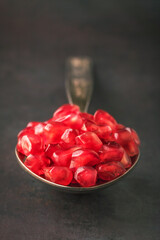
(79, 86)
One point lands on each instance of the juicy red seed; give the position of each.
(72, 120)
(104, 118)
(32, 124)
(110, 170)
(86, 176)
(25, 131)
(90, 126)
(123, 136)
(134, 135)
(59, 175)
(65, 110)
(36, 163)
(33, 164)
(68, 138)
(63, 157)
(104, 132)
(50, 149)
(39, 129)
(111, 151)
(89, 140)
(87, 116)
(84, 157)
(30, 144)
(53, 132)
(126, 160)
(131, 148)
(119, 127)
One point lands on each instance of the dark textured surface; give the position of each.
(123, 39)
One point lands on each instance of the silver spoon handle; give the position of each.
(79, 81)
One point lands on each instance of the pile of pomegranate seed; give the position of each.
(78, 149)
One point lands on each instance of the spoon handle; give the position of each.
(79, 81)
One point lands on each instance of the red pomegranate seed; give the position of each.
(134, 135)
(68, 138)
(63, 157)
(59, 175)
(72, 120)
(89, 126)
(65, 110)
(32, 124)
(102, 131)
(25, 131)
(33, 164)
(87, 116)
(39, 129)
(111, 151)
(36, 163)
(110, 170)
(53, 132)
(125, 138)
(89, 140)
(84, 157)
(86, 176)
(30, 144)
(119, 127)
(126, 161)
(50, 149)
(131, 148)
(104, 118)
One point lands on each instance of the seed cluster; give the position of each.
(78, 149)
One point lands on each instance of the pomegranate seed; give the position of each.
(89, 140)
(59, 175)
(72, 120)
(32, 124)
(51, 148)
(65, 110)
(36, 163)
(87, 116)
(84, 157)
(86, 176)
(119, 127)
(111, 151)
(90, 126)
(39, 129)
(68, 138)
(125, 138)
(25, 131)
(110, 170)
(102, 131)
(104, 118)
(126, 160)
(131, 148)
(134, 135)
(33, 164)
(29, 144)
(53, 132)
(63, 157)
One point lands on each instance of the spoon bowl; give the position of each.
(70, 189)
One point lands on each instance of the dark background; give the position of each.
(123, 38)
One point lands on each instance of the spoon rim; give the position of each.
(70, 188)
